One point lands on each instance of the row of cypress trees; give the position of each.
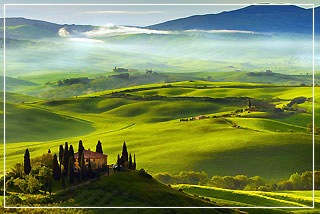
(126, 160)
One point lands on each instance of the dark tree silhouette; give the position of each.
(80, 151)
(99, 147)
(71, 152)
(61, 152)
(66, 159)
(249, 103)
(134, 162)
(27, 164)
(118, 160)
(130, 162)
(89, 169)
(125, 152)
(83, 167)
(56, 173)
(71, 170)
(49, 151)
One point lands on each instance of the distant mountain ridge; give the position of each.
(258, 18)
(22, 28)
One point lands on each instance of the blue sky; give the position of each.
(124, 14)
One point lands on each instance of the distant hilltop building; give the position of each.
(97, 160)
(120, 69)
(268, 72)
(124, 69)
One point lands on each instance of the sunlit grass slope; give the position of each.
(241, 198)
(131, 189)
(270, 147)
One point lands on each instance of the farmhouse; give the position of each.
(97, 160)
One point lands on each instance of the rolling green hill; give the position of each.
(257, 198)
(150, 125)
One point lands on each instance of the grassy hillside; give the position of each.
(150, 125)
(257, 198)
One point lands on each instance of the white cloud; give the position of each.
(113, 30)
(121, 12)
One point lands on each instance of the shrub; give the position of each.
(143, 173)
(13, 200)
(264, 189)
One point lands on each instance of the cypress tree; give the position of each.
(83, 167)
(66, 159)
(118, 160)
(56, 173)
(249, 103)
(130, 162)
(134, 163)
(71, 152)
(99, 147)
(27, 164)
(71, 170)
(80, 151)
(89, 169)
(61, 152)
(49, 151)
(125, 152)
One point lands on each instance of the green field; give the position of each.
(150, 126)
(238, 198)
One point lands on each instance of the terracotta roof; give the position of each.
(91, 155)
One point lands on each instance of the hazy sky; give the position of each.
(136, 15)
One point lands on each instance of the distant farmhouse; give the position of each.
(97, 160)
(123, 69)
(120, 69)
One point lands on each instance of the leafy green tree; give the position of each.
(61, 152)
(33, 185)
(27, 164)
(307, 180)
(99, 147)
(130, 162)
(125, 152)
(71, 170)
(56, 173)
(296, 181)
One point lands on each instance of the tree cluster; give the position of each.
(126, 161)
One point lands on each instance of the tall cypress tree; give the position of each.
(61, 152)
(99, 147)
(134, 163)
(80, 151)
(125, 152)
(89, 169)
(130, 162)
(56, 173)
(71, 152)
(65, 159)
(49, 151)
(27, 164)
(83, 167)
(71, 170)
(118, 160)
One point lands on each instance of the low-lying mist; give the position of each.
(101, 49)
